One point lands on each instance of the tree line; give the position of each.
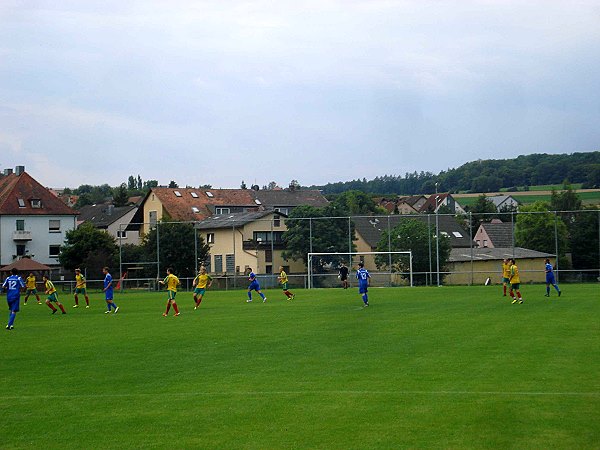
(484, 176)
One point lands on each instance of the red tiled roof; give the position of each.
(180, 207)
(25, 265)
(14, 187)
(430, 203)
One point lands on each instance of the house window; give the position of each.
(478, 242)
(457, 234)
(282, 210)
(177, 193)
(230, 263)
(195, 210)
(276, 221)
(193, 194)
(269, 269)
(153, 218)
(20, 225)
(21, 203)
(218, 263)
(268, 255)
(121, 234)
(485, 243)
(209, 194)
(54, 226)
(54, 251)
(257, 201)
(36, 203)
(20, 249)
(221, 211)
(210, 238)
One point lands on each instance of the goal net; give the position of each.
(386, 268)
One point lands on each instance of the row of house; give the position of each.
(420, 204)
(243, 227)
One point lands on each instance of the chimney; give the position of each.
(7, 171)
(19, 170)
(110, 210)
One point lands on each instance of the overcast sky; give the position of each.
(216, 92)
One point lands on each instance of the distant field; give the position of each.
(546, 187)
(449, 367)
(588, 197)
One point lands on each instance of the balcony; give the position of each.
(21, 235)
(262, 245)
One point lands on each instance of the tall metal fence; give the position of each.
(570, 239)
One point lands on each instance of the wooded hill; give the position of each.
(489, 175)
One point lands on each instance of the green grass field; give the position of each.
(525, 198)
(450, 367)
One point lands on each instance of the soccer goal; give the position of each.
(386, 268)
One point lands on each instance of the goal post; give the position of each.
(386, 268)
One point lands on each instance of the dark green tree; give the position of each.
(535, 229)
(88, 248)
(149, 184)
(131, 183)
(120, 195)
(354, 203)
(177, 247)
(328, 235)
(565, 200)
(173, 184)
(414, 235)
(483, 210)
(584, 240)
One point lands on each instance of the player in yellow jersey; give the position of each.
(52, 295)
(515, 282)
(80, 288)
(30, 289)
(171, 282)
(505, 274)
(283, 280)
(203, 281)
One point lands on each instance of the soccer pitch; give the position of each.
(450, 367)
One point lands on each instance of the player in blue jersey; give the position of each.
(550, 280)
(254, 286)
(108, 291)
(13, 285)
(364, 281)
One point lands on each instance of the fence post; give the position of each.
(471, 244)
(349, 235)
(157, 253)
(556, 242)
(512, 233)
(195, 248)
(310, 234)
(389, 227)
(430, 277)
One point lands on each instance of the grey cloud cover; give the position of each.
(218, 92)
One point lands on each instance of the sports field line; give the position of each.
(304, 392)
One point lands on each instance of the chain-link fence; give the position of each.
(460, 249)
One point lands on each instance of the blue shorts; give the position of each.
(550, 278)
(13, 304)
(362, 289)
(108, 295)
(254, 286)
